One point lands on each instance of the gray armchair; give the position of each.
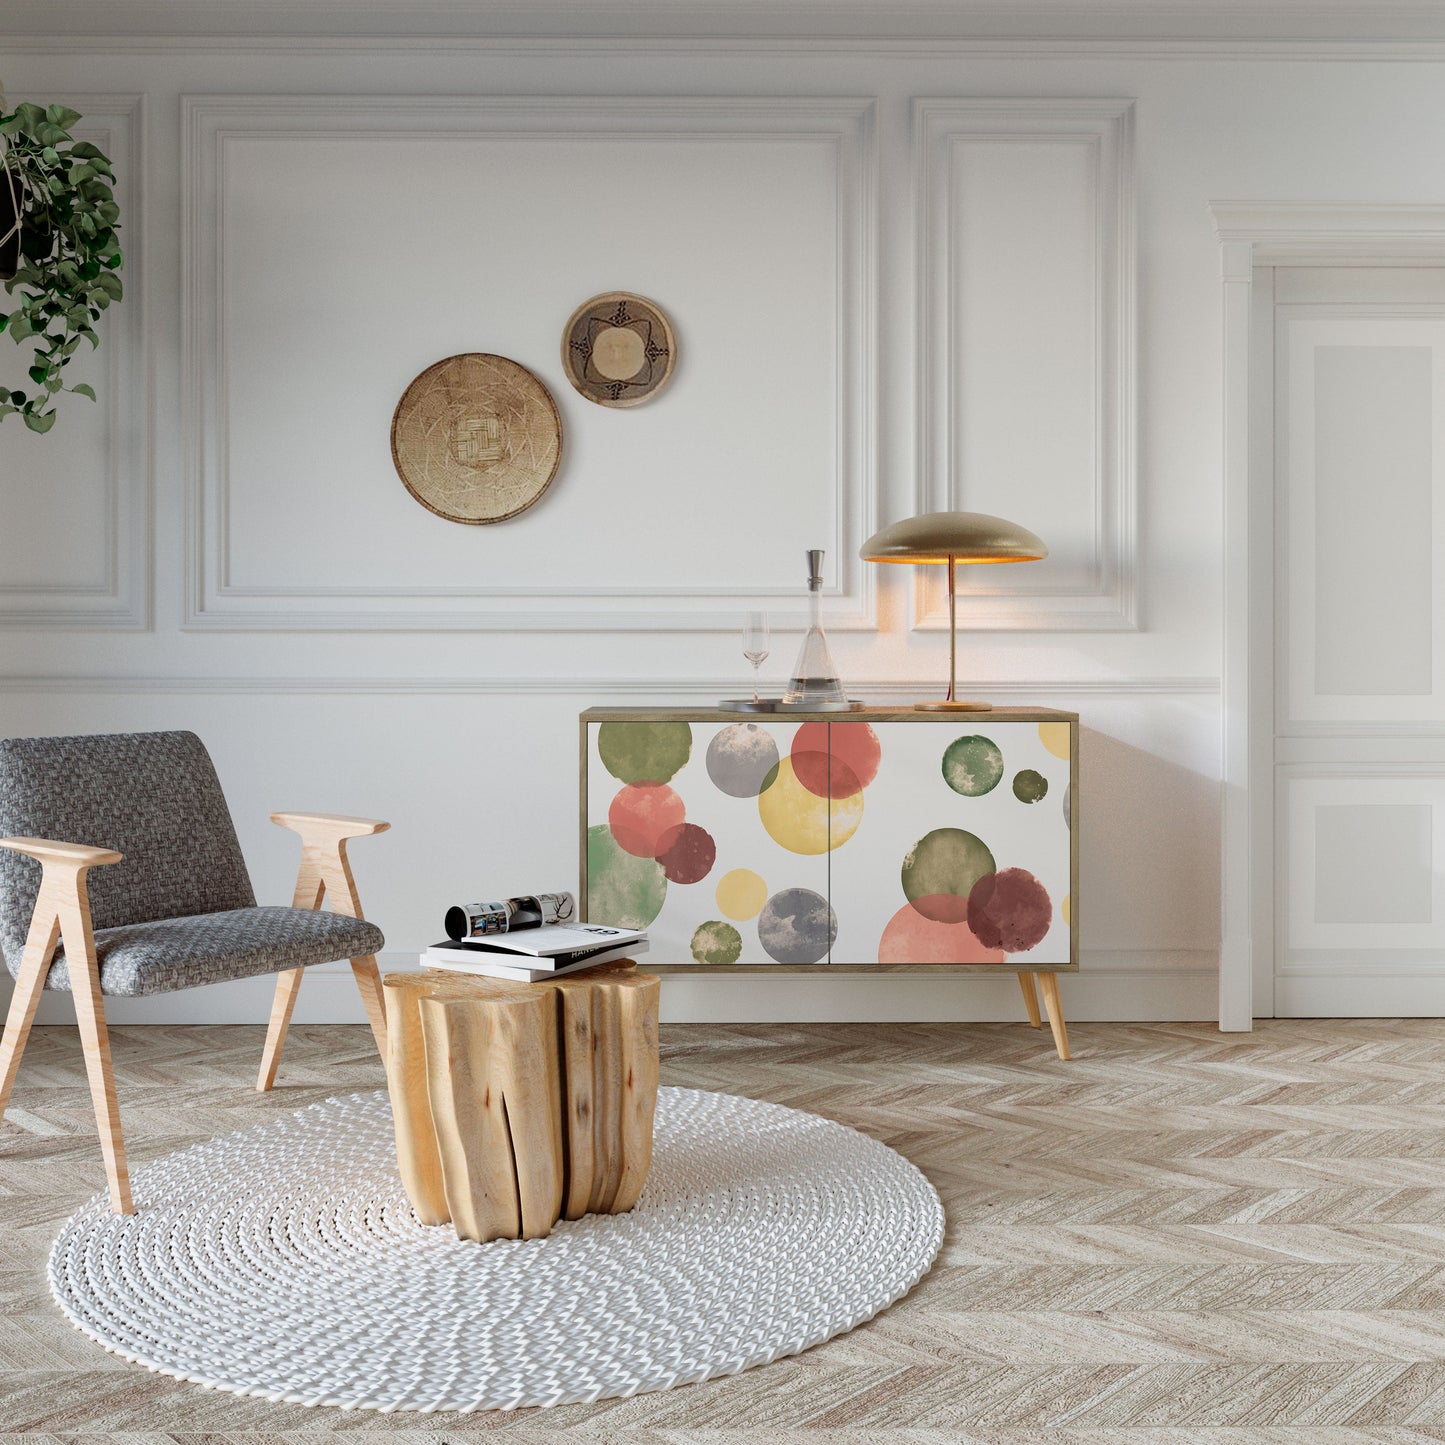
(171, 905)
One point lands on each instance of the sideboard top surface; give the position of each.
(861, 714)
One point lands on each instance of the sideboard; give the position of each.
(864, 842)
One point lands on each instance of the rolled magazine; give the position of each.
(509, 915)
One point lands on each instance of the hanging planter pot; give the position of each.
(9, 221)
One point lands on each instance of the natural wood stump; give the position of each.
(518, 1104)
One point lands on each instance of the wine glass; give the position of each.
(756, 645)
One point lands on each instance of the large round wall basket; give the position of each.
(476, 438)
(619, 349)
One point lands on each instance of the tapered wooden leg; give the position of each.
(1031, 998)
(368, 980)
(34, 965)
(283, 1002)
(95, 1045)
(1049, 982)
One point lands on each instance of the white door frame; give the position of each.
(1253, 234)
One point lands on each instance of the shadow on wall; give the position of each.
(1149, 849)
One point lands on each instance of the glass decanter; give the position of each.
(815, 683)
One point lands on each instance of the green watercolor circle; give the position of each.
(947, 860)
(972, 765)
(717, 943)
(624, 891)
(644, 752)
(1030, 786)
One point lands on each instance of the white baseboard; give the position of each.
(1113, 986)
(1388, 996)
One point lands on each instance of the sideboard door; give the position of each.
(962, 853)
(712, 836)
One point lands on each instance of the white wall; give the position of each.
(880, 307)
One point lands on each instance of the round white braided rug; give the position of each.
(284, 1261)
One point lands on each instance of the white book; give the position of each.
(457, 958)
(554, 938)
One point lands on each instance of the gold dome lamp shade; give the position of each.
(953, 537)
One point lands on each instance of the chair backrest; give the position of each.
(154, 797)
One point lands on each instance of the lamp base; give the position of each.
(953, 707)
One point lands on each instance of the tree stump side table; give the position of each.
(519, 1104)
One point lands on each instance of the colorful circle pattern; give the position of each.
(717, 944)
(961, 907)
(742, 760)
(797, 926)
(972, 765)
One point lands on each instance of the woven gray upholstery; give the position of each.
(153, 796)
(178, 910)
(173, 953)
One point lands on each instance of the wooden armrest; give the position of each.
(74, 855)
(329, 825)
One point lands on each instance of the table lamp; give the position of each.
(953, 537)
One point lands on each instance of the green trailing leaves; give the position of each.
(70, 252)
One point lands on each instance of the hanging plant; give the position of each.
(67, 220)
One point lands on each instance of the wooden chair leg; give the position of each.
(34, 965)
(283, 1002)
(324, 873)
(373, 1000)
(1049, 982)
(1031, 998)
(62, 911)
(95, 1045)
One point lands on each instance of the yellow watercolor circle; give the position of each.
(801, 821)
(1055, 737)
(1067, 908)
(741, 894)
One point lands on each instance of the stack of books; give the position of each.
(517, 939)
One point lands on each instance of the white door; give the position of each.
(1359, 733)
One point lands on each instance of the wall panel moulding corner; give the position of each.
(1026, 325)
(723, 532)
(75, 504)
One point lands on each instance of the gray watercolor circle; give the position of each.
(741, 760)
(797, 926)
(1068, 806)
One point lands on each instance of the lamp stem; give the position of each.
(952, 636)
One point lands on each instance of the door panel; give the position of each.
(1360, 640)
(949, 801)
(704, 834)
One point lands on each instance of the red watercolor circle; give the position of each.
(836, 760)
(686, 853)
(641, 814)
(912, 938)
(1010, 910)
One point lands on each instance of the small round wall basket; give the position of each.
(618, 349)
(476, 438)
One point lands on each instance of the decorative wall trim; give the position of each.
(121, 598)
(1106, 127)
(1265, 234)
(847, 126)
(1067, 38)
(585, 687)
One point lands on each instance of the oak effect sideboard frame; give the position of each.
(963, 724)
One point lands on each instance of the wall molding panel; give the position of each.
(216, 599)
(119, 596)
(586, 687)
(1058, 219)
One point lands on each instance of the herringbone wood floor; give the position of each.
(1180, 1236)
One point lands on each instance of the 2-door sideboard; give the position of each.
(874, 840)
